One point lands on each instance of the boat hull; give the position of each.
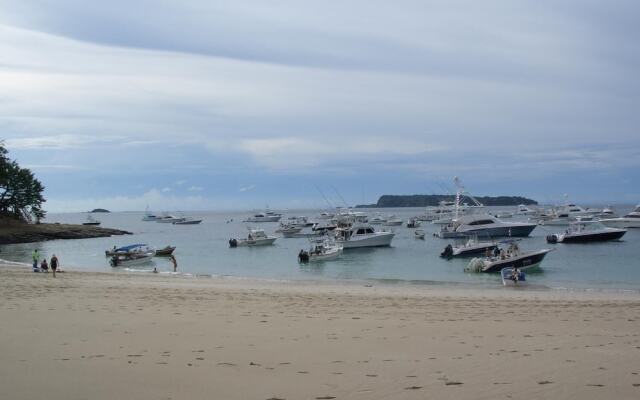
(378, 240)
(588, 238)
(523, 230)
(621, 223)
(253, 243)
(522, 262)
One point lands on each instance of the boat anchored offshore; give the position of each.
(470, 247)
(484, 225)
(267, 216)
(321, 251)
(511, 258)
(256, 237)
(631, 220)
(362, 235)
(91, 221)
(586, 231)
(419, 234)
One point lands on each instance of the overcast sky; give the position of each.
(199, 104)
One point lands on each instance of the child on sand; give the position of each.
(44, 266)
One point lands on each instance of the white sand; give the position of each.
(144, 336)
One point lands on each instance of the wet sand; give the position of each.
(87, 335)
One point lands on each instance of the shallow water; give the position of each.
(203, 249)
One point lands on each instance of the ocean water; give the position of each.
(203, 250)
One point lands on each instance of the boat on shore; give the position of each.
(138, 248)
(126, 260)
(586, 231)
(256, 237)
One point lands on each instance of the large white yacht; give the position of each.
(485, 225)
(631, 220)
(362, 235)
(267, 216)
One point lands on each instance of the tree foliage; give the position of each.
(20, 192)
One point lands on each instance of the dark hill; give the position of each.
(424, 200)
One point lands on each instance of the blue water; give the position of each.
(203, 249)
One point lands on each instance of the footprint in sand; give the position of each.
(413, 388)
(372, 375)
(544, 382)
(453, 383)
(595, 384)
(325, 397)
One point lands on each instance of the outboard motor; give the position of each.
(552, 238)
(447, 252)
(303, 256)
(233, 243)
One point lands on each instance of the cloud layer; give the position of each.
(376, 96)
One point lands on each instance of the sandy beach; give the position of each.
(87, 335)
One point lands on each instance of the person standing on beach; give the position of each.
(174, 262)
(35, 256)
(54, 264)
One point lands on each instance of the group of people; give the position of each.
(44, 266)
(497, 252)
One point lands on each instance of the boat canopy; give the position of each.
(130, 247)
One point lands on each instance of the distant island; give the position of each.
(99, 210)
(424, 200)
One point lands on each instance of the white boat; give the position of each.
(289, 231)
(321, 251)
(392, 221)
(168, 219)
(267, 216)
(326, 215)
(468, 248)
(484, 225)
(362, 235)
(631, 220)
(513, 277)
(504, 214)
(148, 216)
(419, 234)
(525, 210)
(586, 231)
(512, 258)
(128, 260)
(134, 254)
(377, 219)
(413, 222)
(300, 221)
(256, 237)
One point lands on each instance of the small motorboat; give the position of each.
(138, 248)
(256, 237)
(187, 221)
(321, 251)
(513, 258)
(413, 223)
(289, 231)
(468, 248)
(125, 260)
(165, 251)
(168, 219)
(392, 221)
(586, 231)
(91, 221)
(419, 234)
(513, 277)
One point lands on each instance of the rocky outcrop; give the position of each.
(12, 231)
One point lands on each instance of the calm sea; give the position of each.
(203, 249)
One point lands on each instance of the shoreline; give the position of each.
(403, 288)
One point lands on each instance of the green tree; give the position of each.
(20, 191)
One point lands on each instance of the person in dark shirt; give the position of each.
(54, 264)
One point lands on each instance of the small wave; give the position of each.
(7, 262)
